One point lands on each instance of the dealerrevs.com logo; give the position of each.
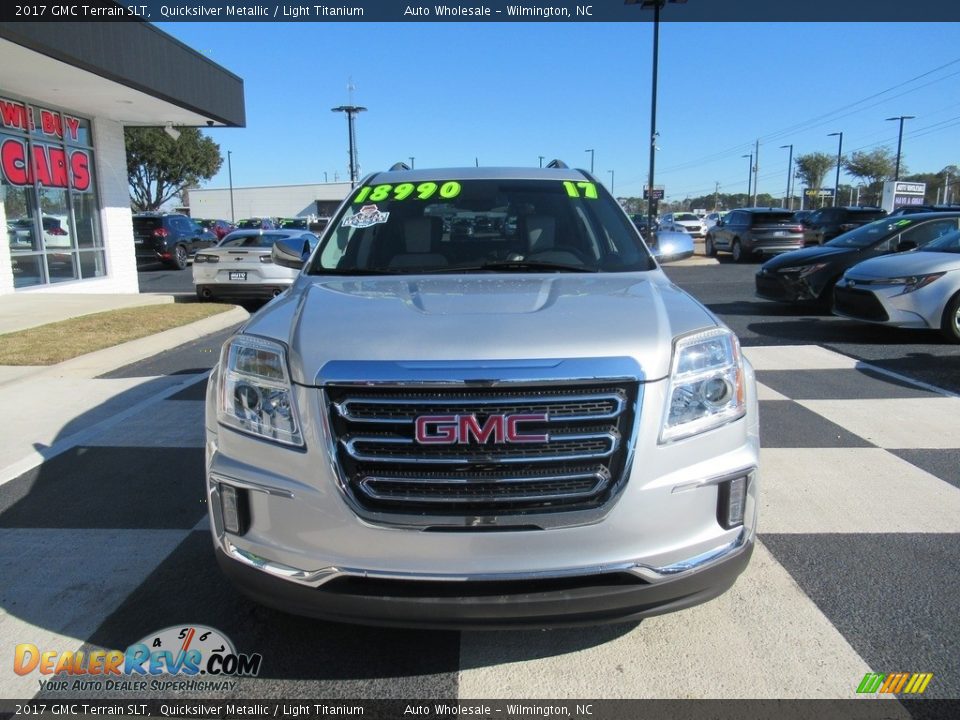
(187, 651)
(894, 683)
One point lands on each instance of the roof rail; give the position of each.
(399, 166)
(558, 164)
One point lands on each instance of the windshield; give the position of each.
(949, 243)
(686, 217)
(447, 225)
(867, 235)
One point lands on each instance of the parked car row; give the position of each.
(900, 270)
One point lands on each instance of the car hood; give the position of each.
(688, 223)
(807, 256)
(905, 264)
(477, 318)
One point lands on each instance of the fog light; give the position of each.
(732, 502)
(236, 514)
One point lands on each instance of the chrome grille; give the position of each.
(387, 473)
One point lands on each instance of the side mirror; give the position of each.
(905, 245)
(719, 222)
(291, 253)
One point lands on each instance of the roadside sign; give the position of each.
(657, 193)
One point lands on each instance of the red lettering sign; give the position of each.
(50, 166)
(14, 115)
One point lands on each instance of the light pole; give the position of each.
(591, 159)
(789, 198)
(749, 175)
(233, 218)
(901, 118)
(656, 5)
(611, 181)
(351, 111)
(836, 183)
(411, 162)
(541, 160)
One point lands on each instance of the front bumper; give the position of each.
(659, 546)
(489, 604)
(889, 306)
(783, 288)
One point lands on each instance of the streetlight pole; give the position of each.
(591, 159)
(233, 218)
(901, 118)
(657, 5)
(352, 111)
(541, 160)
(411, 162)
(788, 200)
(611, 181)
(749, 175)
(836, 183)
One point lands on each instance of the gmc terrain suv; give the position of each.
(526, 426)
(748, 232)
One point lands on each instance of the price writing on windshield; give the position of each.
(403, 191)
(574, 189)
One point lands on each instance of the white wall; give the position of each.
(269, 201)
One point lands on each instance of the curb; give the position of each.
(102, 361)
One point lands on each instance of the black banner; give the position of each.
(242, 709)
(713, 11)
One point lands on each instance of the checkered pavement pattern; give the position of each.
(855, 570)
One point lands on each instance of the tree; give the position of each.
(874, 167)
(159, 167)
(812, 168)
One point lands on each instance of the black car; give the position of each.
(169, 238)
(809, 275)
(827, 223)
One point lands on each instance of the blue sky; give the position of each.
(501, 93)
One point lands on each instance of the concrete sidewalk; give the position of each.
(68, 401)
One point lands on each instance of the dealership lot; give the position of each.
(859, 534)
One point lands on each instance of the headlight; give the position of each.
(912, 283)
(706, 384)
(803, 270)
(255, 393)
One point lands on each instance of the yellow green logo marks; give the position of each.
(402, 191)
(894, 683)
(580, 189)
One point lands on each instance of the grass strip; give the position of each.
(59, 341)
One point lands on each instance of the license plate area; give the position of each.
(238, 274)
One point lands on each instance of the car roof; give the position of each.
(477, 173)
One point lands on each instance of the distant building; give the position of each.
(268, 201)
(67, 91)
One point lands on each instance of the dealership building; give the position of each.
(67, 90)
(309, 201)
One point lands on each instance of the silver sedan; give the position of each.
(916, 289)
(241, 268)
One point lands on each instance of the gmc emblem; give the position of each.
(464, 429)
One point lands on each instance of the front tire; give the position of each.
(950, 324)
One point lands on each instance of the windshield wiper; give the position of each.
(523, 266)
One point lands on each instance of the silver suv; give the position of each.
(524, 424)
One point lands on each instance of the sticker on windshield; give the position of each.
(365, 217)
(580, 189)
(423, 191)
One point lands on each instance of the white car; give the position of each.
(916, 289)
(240, 266)
(710, 220)
(685, 222)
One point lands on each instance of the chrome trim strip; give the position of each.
(248, 485)
(483, 373)
(343, 407)
(598, 482)
(350, 446)
(316, 578)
